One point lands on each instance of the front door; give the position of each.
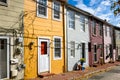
(43, 55)
(4, 58)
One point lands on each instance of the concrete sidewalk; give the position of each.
(80, 75)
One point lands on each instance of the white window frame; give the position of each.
(72, 48)
(39, 15)
(4, 4)
(59, 11)
(73, 20)
(82, 23)
(8, 57)
(57, 58)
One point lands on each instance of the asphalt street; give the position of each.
(113, 74)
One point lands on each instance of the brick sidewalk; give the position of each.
(74, 75)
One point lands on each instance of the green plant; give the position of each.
(82, 60)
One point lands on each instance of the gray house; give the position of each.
(11, 39)
(77, 37)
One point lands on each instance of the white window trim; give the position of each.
(70, 50)
(53, 11)
(57, 58)
(81, 23)
(72, 20)
(8, 57)
(39, 15)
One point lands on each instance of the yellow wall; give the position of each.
(35, 27)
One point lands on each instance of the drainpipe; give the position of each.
(103, 44)
(65, 39)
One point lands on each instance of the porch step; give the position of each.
(42, 75)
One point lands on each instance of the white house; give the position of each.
(77, 37)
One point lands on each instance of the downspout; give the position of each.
(103, 43)
(65, 39)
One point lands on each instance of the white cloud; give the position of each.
(84, 7)
(106, 3)
(92, 2)
(102, 10)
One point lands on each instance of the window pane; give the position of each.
(42, 9)
(72, 48)
(56, 10)
(82, 21)
(71, 20)
(43, 48)
(57, 47)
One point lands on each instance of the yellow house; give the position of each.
(43, 37)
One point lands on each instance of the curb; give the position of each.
(88, 75)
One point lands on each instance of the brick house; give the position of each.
(96, 40)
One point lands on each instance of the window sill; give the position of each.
(94, 35)
(56, 19)
(40, 16)
(57, 58)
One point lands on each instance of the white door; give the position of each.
(4, 58)
(43, 55)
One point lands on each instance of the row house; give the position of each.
(108, 46)
(77, 37)
(11, 39)
(96, 40)
(43, 37)
(117, 41)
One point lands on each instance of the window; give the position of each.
(57, 47)
(110, 33)
(42, 8)
(83, 50)
(71, 20)
(105, 30)
(107, 50)
(72, 43)
(56, 6)
(94, 27)
(95, 52)
(3, 2)
(100, 29)
(82, 21)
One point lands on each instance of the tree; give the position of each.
(115, 6)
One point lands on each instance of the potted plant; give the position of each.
(82, 60)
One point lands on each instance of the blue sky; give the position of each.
(99, 8)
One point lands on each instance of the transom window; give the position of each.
(82, 21)
(57, 47)
(56, 6)
(71, 19)
(42, 7)
(72, 48)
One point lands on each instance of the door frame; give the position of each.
(8, 56)
(49, 59)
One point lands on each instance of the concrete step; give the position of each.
(42, 75)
